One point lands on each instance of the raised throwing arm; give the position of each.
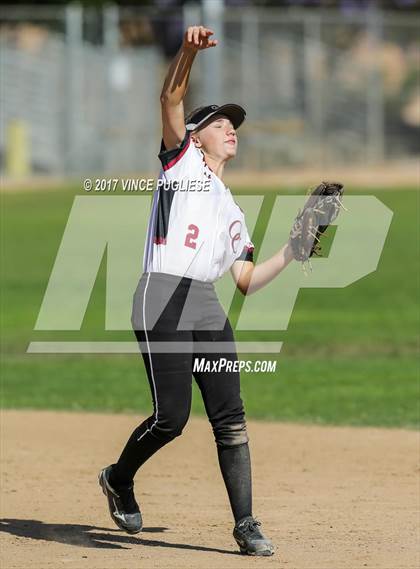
(175, 86)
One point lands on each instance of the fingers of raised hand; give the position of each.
(212, 43)
(205, 40)
(198, 37)
(206, 32)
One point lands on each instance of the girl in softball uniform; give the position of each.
(196, 233)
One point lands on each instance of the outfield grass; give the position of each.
(349, 357)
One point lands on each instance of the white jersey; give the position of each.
(196, 229)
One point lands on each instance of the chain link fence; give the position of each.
(319, 87)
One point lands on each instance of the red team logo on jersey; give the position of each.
(235, 237)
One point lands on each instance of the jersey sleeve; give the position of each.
(185, 161)
(247, 253)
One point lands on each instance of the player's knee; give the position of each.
(175, 428)
(170, 427)
(231, 434)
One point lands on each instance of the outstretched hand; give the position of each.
(198, 37)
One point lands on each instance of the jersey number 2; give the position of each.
(191, 236)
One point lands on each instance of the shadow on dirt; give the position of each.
(91, 536)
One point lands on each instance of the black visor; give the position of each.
(235, 113)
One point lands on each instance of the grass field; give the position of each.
(350, 355)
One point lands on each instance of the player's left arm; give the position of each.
(249, 277)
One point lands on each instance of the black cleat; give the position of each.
(122, 504)
(250, 539)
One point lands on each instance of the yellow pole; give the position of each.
(17, 149)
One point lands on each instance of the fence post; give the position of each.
(213, 11)
(375, 96)
(313, 92)
(111, 47)
(72, 73)
(195, 96)
(250, 75)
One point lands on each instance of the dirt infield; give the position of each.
(330, 498)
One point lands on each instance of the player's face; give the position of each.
(218, 138)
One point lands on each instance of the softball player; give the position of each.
(193, 238)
